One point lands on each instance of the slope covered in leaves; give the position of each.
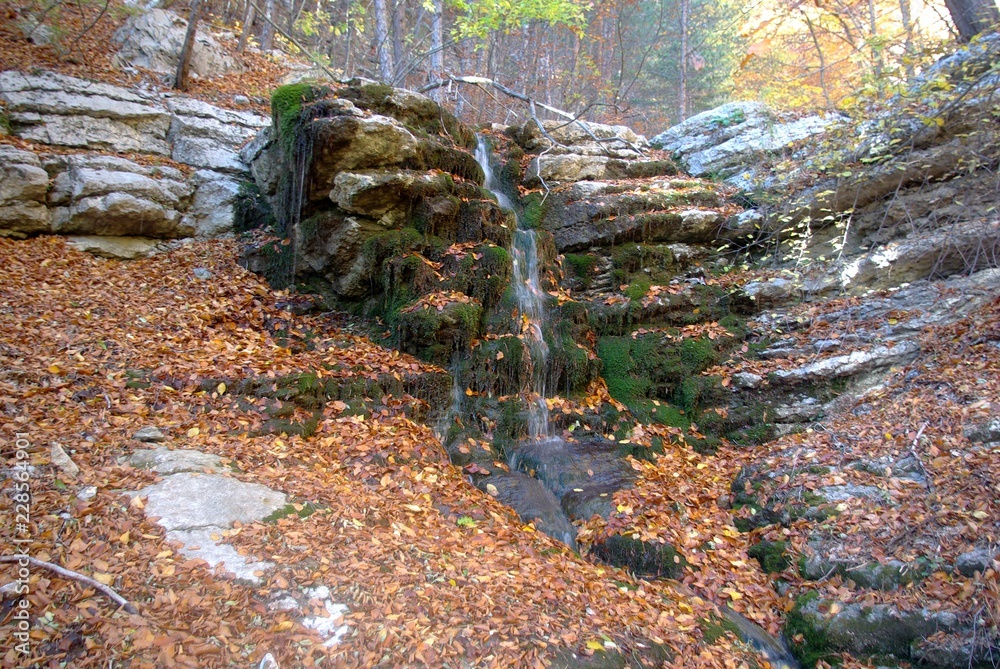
(92, 350)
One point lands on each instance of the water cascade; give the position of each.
(530, 302)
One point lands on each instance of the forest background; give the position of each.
(645, 63)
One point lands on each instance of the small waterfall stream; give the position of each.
(530, 302)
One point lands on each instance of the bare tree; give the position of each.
(437, 47)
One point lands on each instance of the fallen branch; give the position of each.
(483, 82)
(73, 576)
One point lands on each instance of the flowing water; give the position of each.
(530, 302)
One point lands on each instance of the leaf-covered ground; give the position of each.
(92, 350)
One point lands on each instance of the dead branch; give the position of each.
(484, 82)
(295, 42)
(73, 576)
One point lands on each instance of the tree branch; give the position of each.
(73, 576)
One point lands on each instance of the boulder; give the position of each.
(23, 188)
(387, 195)
(726, 139)
(66, 111)
(263, 156)
(532, 502)
(349, 143)
(153, 40)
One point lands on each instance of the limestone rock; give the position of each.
(153, 40)
(118, 248)
(165, 461)
(724, 139)
(150, 434)
(67, 111)
(23, 187)
(617, 141)
(207, 136)
(565, 167)
(851, 364)
(349, 143)
(378, 194)
(212, 208)
(599, 213)
(196, 509)
(263, 156)
(61, 459)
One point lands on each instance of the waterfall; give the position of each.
(530, 302)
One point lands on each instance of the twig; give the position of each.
(86, 30)
(73, 576)
(916, 456)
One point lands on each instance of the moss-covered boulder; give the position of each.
(645, 559)
(439, 325)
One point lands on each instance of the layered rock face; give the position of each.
(89, 193)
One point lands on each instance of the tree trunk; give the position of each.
(397, 42)
(382, 49)
(249, 14)
(682, 102)
(437, 46)
(267, 31)
(972, 17)
(907, 18)
(180, 79)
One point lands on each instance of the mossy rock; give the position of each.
(287, 104)
(413, 110)
(485, 220)
(643, 558)
(772, 556)
(436, 335)
(500, 367)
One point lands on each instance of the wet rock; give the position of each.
(601, 213)
(880, 629)
(643, 558)
(582, 475)
(434, 334)
(986, 432)
(532, 501)
(747, 380)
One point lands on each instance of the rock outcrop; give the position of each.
(92, 194)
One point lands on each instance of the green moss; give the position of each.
(303, 511)
(532, 212)
(581, 266)
(715, 628)
(809, 643)
(642, 558)
(772, 555)
(638, 289)
(287, 103)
